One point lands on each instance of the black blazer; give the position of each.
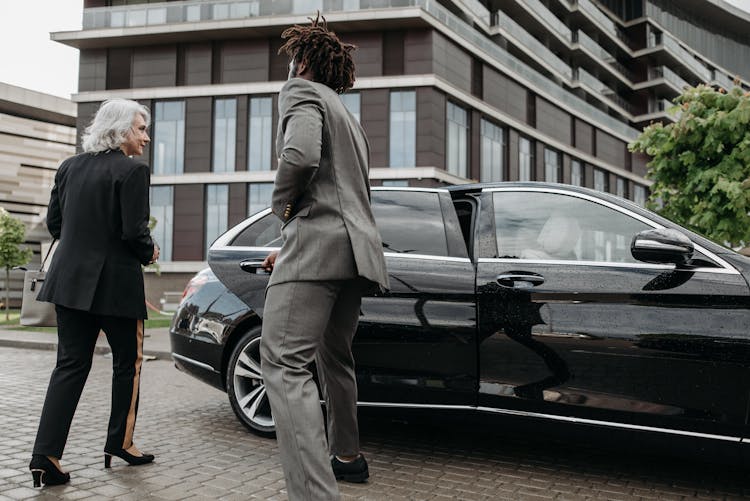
(99, 210)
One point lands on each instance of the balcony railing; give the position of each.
(669, 76)
(551, 20)
(193, 11)
(686, 57)
(479, 10)
(588, 8)
(502, 20)
(722, 79)
(597, 50)
(603, 90)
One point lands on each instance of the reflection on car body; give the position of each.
(521, 299)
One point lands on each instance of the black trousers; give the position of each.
(77, 333)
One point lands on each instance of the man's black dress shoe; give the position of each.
(355, 471)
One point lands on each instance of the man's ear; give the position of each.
(301, 67)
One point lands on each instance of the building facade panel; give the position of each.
(197, 63)
(610, 149)
(418, 49)
(188, 222)
(368, 57)
(584, 137)
(430, 127)
(244, 61)
(451, 62)
(553, 121)
(92, 70)
(504, 94)
(375, 106)
(198, 126)
(154, 66)
(237, 203)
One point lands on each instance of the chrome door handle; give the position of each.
(519, 280)
(253, 266)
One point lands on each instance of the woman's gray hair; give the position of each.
(112, 123)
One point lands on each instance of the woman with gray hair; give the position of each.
(99, 212)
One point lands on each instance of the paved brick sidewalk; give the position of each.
(204, 453)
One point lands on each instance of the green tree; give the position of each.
(12, 235)
(700, 165)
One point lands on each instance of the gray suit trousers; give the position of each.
(305, 322)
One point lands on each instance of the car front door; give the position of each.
(572, 326)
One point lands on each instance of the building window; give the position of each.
(396, 183)
(458, 140)
(217, 211)
(352, 102)
(639, 195)
(403, 129)
(260, 131)
(600, 180)
(551, 166)
(525, 159)
(162, 209)
(258, 197)
(621, 188)
(169, 137)
(225, 134)
(493, 152)
(577, 175)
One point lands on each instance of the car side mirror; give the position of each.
(662, 245)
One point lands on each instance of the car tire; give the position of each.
(245, 386)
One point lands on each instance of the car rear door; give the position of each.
(571, 326)
(416, 345)
(235, 257)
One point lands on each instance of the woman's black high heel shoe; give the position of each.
(44, 471)
(128, 457)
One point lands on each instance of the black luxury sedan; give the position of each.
(538, 301)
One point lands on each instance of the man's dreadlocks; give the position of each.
(329, 59)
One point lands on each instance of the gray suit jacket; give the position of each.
(322, 191)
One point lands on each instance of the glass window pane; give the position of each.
(576, 173)
(600, 180)
(169, 137)
(266, 232)
(551, 166)
(260, 130)
(225, 135)
(548, 226)
(403, 129)
(258, 197)
(217, 211)
(492, 152)
(398, 213)
(524, 159)
(352, 102)
(639, 195)
(162, 209)
(458, 136)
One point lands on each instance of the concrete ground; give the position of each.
(204, 453)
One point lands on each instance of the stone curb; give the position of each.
(98, 350)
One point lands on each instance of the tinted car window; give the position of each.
(265, 232)
(551, 226)
(410, 222)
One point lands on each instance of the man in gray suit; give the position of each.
(332, 254)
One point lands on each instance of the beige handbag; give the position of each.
(33, 312)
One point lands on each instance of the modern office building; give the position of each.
(37, 131)
(449, 91)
